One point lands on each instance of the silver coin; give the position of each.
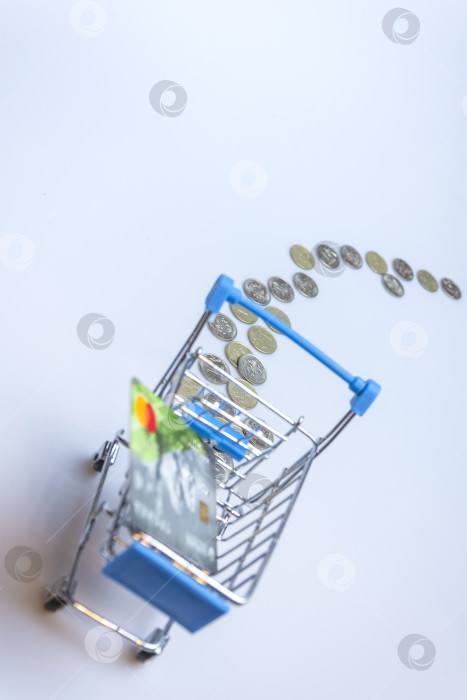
(252, 369)
(403, 269)
(257, 291)
(328, 256)
(254, 439)
(281, 289)
(451, 288)
(392, 285)
(351, 257)
(210, 374)
(219, 403)
(222, 461)
(223, 327)
(305, 285)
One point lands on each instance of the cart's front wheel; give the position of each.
(145, 655)
(53, 603)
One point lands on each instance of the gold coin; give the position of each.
(262, 340)
(427, 281)
(243, 314)
(302, 257)
(188, 388)
(222, 420)
(241, 398)
(280, 315)
(234, 350)
(376, 262)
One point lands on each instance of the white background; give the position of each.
(130, 214)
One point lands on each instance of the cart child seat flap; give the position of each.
(153, 577)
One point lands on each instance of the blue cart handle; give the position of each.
(225, 290)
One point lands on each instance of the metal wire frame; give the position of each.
(249, 526)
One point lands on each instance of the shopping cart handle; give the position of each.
(225, 290)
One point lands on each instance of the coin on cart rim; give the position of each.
(427, 281)
(252, 369)
(328, 256)
(210, 374)
(392, 285)
(254, 439)
(241, 398)
(450, 288)
(280, 315)
(403, 269)
(223, 327)
(351, 257)
(376, 263)
(302, 257)
(281, 289)
(305, 285)
(217, 401)
(257, 291)
(243, 314)
(262, 340)
(234, 350)
(188, 388)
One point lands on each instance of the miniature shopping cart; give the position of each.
(252, 509)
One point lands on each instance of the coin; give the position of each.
(392, 285)
(451, 288)
(216, 401)
(403, 269)
(427, 281)
(221, 464)
(262, 340)
(254, 439)
(211, 374)
(240, 397)
(305, 285)
(243, 314)
(252, 369)
(257, 291)
(376, 263)
(188, 388)
(234, 350)
(222, 456)
(351, 257)
(223, 327)
(302, 257)
(328, 256)
(281, 289)
(280, 315)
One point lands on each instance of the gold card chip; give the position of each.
(203, 512)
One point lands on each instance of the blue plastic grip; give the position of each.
(365, 391)
(211, 432)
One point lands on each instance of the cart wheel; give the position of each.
(53, 603)
(97, 464)
(144, 655)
